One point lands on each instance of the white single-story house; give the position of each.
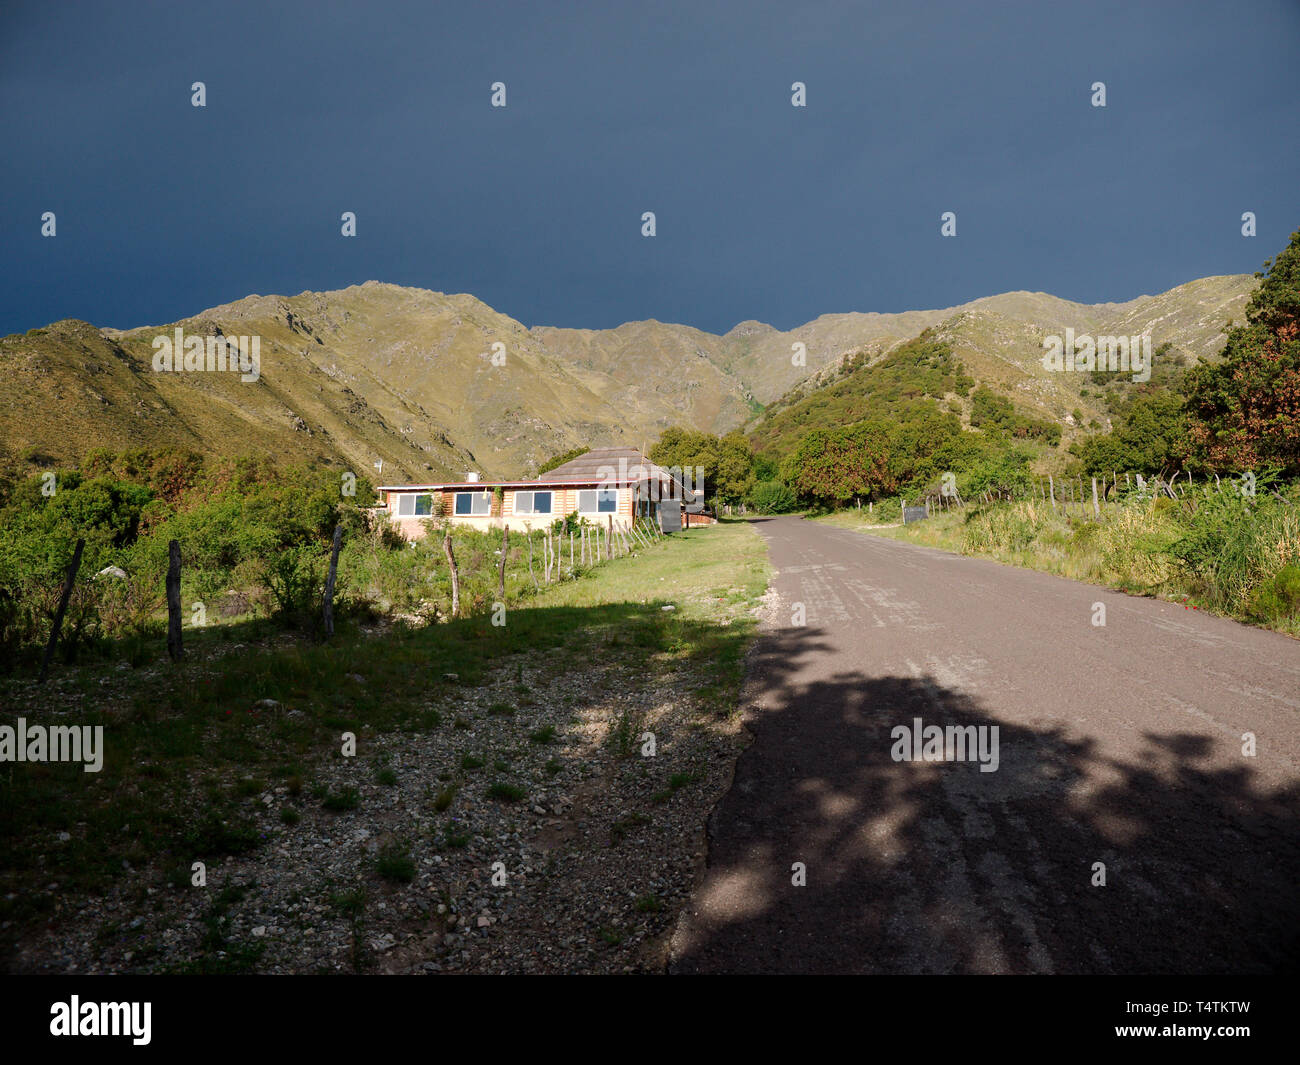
(606, 484)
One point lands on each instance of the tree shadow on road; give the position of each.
(937, 867)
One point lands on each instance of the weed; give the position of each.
(395, 862)
(348, 798)
(445, 796)
(506, 792)
(619, 829)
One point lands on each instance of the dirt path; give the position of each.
(1118, 744)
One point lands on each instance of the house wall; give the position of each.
(564, 501)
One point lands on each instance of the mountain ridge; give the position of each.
(382, 372)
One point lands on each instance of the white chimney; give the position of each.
(471, 477)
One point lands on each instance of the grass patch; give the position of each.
(506, 792)
(395, 862)
(350, 903)
(619, 830)
(344, 799)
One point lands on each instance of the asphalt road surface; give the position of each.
(1119, 744)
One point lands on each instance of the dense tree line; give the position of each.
(1238, 412)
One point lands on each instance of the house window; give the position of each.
(532, 502)
(598, 501)
(410, 505)
(473, 503)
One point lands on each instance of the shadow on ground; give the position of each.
(937, 867)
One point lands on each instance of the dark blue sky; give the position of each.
(764, 211)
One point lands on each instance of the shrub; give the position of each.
(1277, 599)
(773, 497)
(395, 862)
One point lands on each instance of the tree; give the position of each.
(735, 477)
(686, 449)
(1151, 436)
(830, 467)
(1245, 408)
(772, 497)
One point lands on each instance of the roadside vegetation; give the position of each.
(234, 752)
(1217, 446)
(1212, 548)
(255, 542)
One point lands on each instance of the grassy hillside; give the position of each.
(406, 377)
(997, 344)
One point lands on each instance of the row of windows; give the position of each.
(479, 504)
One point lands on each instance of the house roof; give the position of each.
(626, 463)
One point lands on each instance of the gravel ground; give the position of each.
(595, 860)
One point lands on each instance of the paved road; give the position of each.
(1119, 745)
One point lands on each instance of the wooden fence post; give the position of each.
(501, 573)
(609, 538)
(455, 575)
(528, 531)
(1096, 507)
(1051, 491)
(174, 645)
(68, 582)
(329, 582)
(570, 552)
